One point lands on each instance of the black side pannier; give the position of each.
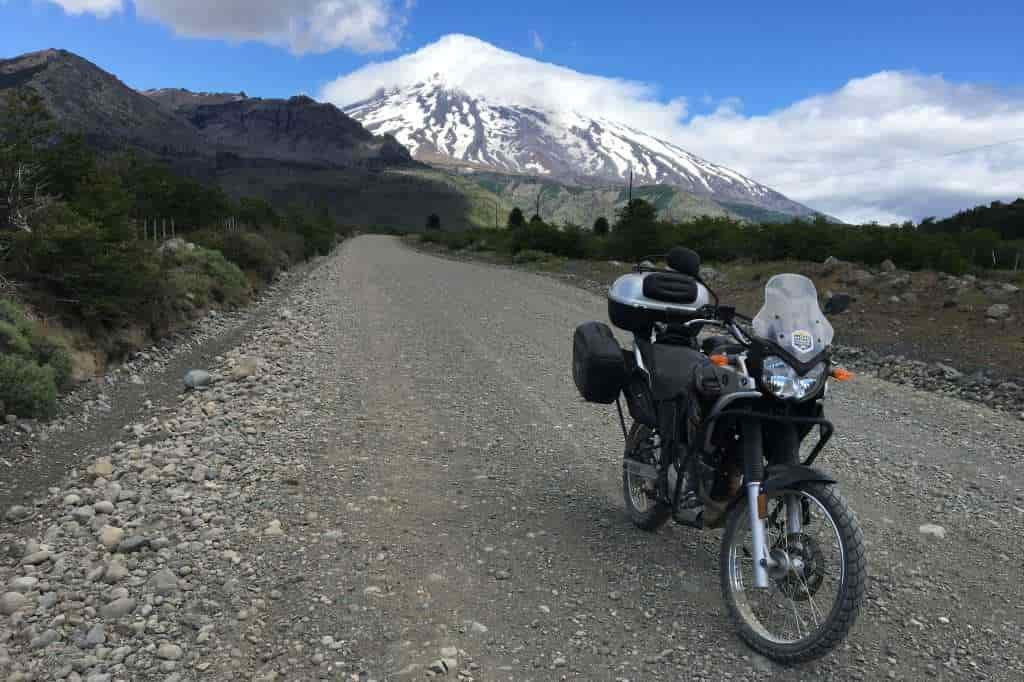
(598, 366)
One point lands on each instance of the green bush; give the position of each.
(320, 233)
(530, 256)
(86, 273)
(12, 341)
(15, 315)
(250, 251)
(20, 336)
(26, 389)
(204, 276)
(291, 244)
(53, 352)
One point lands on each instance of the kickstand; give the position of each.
(622, 420)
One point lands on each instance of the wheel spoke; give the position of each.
(778, 614)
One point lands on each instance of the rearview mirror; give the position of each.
(837, 303)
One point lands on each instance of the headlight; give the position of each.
(784, 382)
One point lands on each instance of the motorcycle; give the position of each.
(718, 422)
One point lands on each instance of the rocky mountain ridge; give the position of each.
(177, 123)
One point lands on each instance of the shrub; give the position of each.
(530, 256)
(53, 351)
(23, 337)
(320, 233)
(12, 341)
(538, 236)
(205, 276)
(14, 314)
(292, 245)
(250, 251)
(84, 272)
(26, 389)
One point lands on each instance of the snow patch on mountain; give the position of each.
(436, 120)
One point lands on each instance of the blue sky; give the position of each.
(769, 54)
(767, 73)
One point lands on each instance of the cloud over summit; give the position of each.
(888, 146)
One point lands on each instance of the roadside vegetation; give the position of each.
(88, 264)
(984, 238)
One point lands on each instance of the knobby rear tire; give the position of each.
(657, 512)
(851, 594)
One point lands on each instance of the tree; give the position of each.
(516, 218)
(434, 222)
(537, 221)
(25, 127)
(636, 229)
(601, 226)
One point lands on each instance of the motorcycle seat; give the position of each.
(671, 367)
(670, 288)
(721, 344)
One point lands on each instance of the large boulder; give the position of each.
(198, 378)
(859, 278)
(888, 266)
(833, 264)
(999, 311)
(176, 244)
(898, 282)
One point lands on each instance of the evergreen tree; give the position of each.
(636, 229)
(601, 226)
(25, 127)
(516, 218)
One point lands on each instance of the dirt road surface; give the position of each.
(394, 474)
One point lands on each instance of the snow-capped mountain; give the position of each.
(441, 123)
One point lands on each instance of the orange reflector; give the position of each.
(762, 506)
(840, 374)
(720, 360)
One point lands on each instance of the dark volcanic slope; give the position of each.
(84, 98)
(298, 129)
(184, 102)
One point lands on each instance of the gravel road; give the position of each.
(392, 477)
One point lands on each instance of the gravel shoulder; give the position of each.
(392, 477)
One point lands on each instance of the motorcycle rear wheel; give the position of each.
(644, 505)
(827, 588)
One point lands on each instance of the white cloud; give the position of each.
(811, 150)
(509, 78)
(300, 25)
(101, 8)
(538, 42)
(885, 147)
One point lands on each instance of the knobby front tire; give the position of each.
(824, 625)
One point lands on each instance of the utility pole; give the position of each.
(631, 183)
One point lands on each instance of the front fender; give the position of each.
(782, 476)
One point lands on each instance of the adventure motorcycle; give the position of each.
(715, 442)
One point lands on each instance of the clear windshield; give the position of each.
(792, 318)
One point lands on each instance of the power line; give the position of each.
(906, 162)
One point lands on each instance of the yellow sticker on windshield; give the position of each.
(803, 341)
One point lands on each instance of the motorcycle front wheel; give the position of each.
(815, 593)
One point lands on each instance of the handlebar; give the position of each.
(724, 317)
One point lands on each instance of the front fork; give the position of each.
(753, 465)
